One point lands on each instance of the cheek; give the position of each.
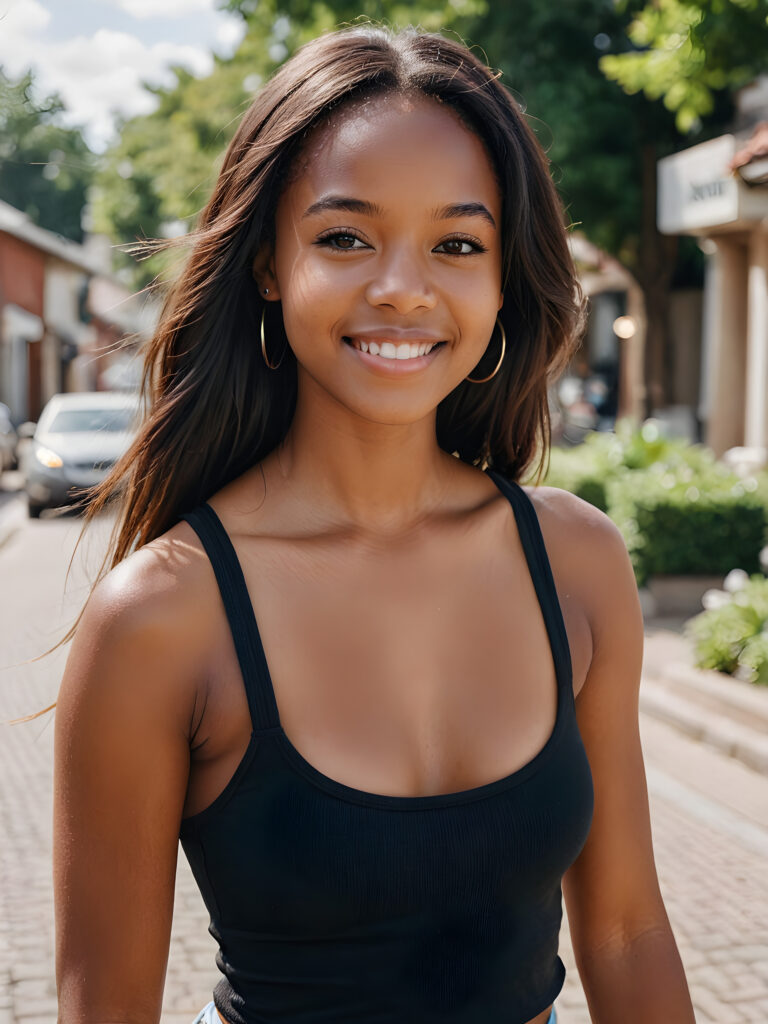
(315, 299)
(473, 299)
(476, 290)
(310, 284)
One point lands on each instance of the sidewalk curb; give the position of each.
(727, 714)
(742, 700)
(724, 734)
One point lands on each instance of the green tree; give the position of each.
(45, 168)
(157, 177)
(603, 144)
(685, 52)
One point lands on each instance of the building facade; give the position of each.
(718, 192)
(65, 323)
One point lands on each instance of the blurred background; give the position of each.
(114, 116)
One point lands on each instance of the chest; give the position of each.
(425, 669)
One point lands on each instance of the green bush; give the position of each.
(679, 509)
(577, 470)
(683, 522)
(761, 491)
(732, 636)
(603, 456)
(754, 659)
(632, 448)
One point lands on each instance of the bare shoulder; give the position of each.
(157, 588)
(561, 512)
(156, 577)
(146, 629)
(589, 551)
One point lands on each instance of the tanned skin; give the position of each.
(406, 645)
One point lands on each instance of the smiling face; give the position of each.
(387, 259)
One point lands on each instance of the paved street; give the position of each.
(710, 819)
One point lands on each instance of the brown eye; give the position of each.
(460, 247)
(341, 240)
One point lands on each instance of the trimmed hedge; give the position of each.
(680, 511)
(685, 523)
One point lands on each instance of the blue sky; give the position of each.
(96, 53)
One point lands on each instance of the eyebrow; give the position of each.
(464, 210)
(368, 209)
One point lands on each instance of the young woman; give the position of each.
(381, 788)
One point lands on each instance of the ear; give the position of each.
(501, 301)
(263, 268)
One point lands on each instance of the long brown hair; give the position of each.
(213, 409)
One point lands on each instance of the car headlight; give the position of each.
(48, 458)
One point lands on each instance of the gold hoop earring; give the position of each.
(482, 380)
(264, 345)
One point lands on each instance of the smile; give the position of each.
(391, 350)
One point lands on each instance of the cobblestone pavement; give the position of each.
(710, 822)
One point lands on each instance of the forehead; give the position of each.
(398, 151)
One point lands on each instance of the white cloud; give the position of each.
(229, 34)
(20, 19)
(104, 72)
(21, 22)
(96, 75)
(161, 8)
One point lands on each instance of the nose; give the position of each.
(401, 282)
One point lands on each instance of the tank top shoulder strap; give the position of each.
(240, 615)
(540, 569)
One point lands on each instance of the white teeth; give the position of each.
(388, 350)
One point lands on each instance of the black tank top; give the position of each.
(331, 905)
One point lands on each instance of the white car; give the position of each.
(78, 439)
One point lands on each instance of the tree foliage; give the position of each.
(686, 51)
(45, 168)
(593, 132)
(158, 175)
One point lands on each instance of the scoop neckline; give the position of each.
(427, 801)
(537, 561)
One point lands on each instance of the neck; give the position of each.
(376, 477)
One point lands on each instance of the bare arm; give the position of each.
(624, 947)
(120, 775)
